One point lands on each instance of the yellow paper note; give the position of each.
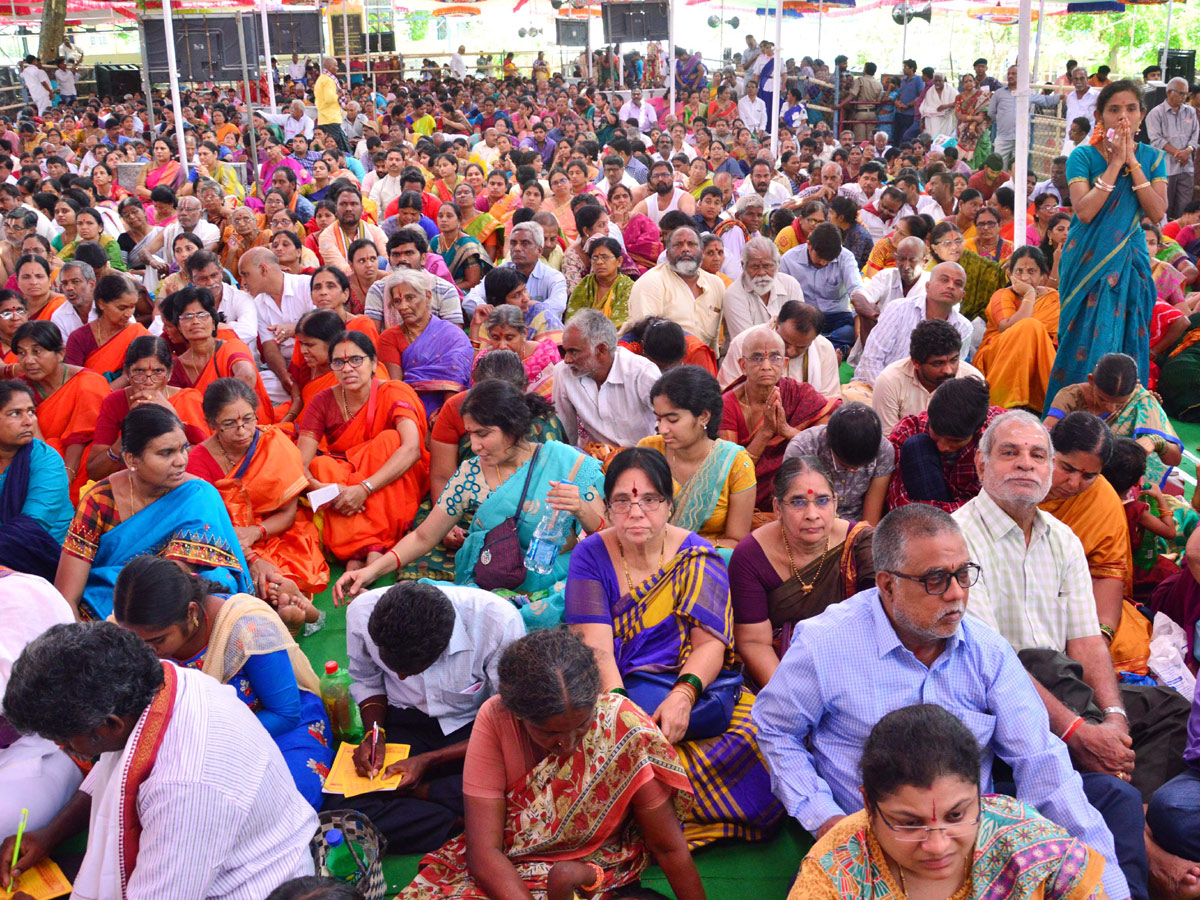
(344, 780)
(43, 881)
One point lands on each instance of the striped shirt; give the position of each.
(220, 814)
(846, 669)
(1036, 596)
(891, 337)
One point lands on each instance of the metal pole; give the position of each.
(146, 85)
(820, 19)
(837, 98)
(1021, 163)
(776, 78)
(904, 39)
(1037, 44)
(266, 30)
(1167, 45)
(671, 58)
(587, 33)
(252, 168)
(173, 75)
(346, 38)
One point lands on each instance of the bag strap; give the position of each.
(525, 490)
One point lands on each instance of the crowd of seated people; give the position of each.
(663, 487)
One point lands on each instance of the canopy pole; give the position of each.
(266, 30)
(253, 162)
(1037, 43)
(776, 79)
(904, 39)
(147, 86)
(1167, 45)
(587, 33)
(670, 68)
(173, 76)
(346, 38)
(820, 19)
(1021, 162)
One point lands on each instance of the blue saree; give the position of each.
(438, 363)
(35, 510)
(540, 597)
(189, 525)
(1105, 281)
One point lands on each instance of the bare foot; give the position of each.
(353, 565)
(1171, 877)
(292, 616)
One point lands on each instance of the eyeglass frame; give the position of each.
(342, 362)
(928, 829)
(654, 500)
(923, 580)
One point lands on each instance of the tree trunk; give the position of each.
(54, 27)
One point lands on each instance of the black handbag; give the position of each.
(501, 563)
(713, 710)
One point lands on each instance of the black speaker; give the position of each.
(382, 42)
(1179, 64)
(636, 21)
(117, 80)
(293, 32)
(571, 32)
(206, 48)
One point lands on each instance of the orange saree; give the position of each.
(1017, 361)
(109, 360)
(68, 417)
(269, 476)
(229, 351)
(359, 447)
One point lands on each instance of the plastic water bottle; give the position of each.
(548, 539)
(340, 859)
(339, 705)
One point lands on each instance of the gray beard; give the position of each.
(685, 267)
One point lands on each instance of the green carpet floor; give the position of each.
(730, 870)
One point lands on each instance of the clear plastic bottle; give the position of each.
(340, 860)
(343, 712)
(548, 540)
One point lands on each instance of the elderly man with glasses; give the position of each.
(908, 640)
(1174, 129)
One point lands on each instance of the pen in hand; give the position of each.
(374, 749)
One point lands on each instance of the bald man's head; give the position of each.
(947, 283)
(910, 258)
(259, 271)
(831, 175)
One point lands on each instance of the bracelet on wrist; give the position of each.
(693, 680)
(596, 881)
(1115, 711)
(396, 556)
(1108, 632)
(1066, 735)
(112, 455)
(370, 488)
(621, 691)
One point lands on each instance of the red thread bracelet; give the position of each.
(1066, 735)
(595, 885)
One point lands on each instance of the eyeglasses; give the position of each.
(822, 501)
(953, 242)
(247, 421)
(648, 503)
(341, 362)
(938, 583)
(775, 359)
(918, 833)
(138, 376)
(9, 314)
(194, 317)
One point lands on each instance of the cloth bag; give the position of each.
(501, 564)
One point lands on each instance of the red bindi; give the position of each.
(635, 493)
(935, 812)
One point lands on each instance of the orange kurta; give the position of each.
(1017, 361)
(272, 478)
(359, 447)
(68, 417)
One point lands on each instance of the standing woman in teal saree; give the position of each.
(1105, 281)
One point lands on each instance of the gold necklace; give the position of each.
(806, 588)
(662, 558)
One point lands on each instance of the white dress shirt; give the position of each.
(384, 191)
(241, 314)
(467, 672)
(753, 114)
(889, 339)
(209, 233)
(295, 302)
(775, 196)
(67, 320)
(646, 117)
(617, 412)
